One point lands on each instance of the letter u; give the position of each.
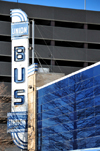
(16, 75)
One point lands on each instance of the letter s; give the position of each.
(16, 96)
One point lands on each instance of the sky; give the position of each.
(74, 4)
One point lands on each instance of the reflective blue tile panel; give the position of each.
(69, 112)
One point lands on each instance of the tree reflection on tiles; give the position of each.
(68, 114)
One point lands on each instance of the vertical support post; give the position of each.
(32, 41)
(32, 113)
(35, 113)
(52, 61)
(84, 4)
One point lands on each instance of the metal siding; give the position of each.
(93, 17)
(5, 28)
(43, 32)
(5, 68)
(5, 48)
(6, 6)
(43, 51)
(36, 11)
(66, 69)
(67, 53)
(93, 36)
(59, 53)
(69, 34)
(52, 13)
(33, 11)
(62, 69)
(60, 33)
(57, 33)
(93, 55)
(70, 15)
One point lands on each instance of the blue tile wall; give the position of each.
(69, 113)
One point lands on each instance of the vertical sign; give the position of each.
(17, 119)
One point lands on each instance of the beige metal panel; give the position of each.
(32, 113)
(45, 78)
(36, 80)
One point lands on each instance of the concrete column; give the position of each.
(85, 26)
(85, 64)
(52, 63)
(52, 23)
(85, 45)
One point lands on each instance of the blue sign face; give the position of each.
(19, 30)
(17, 122)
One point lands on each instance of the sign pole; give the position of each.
(35, 113)
(32, 41)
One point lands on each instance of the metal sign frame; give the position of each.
(17, 119)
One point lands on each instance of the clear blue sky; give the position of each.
(76, 4)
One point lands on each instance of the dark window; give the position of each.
(5, 58)
(5, 79)
(5, 38)
(42, 22)
(5, 18)
(93, 27)
(69, 24)
(93, 46)
(69, 44)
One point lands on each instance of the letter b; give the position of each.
(19, 53)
